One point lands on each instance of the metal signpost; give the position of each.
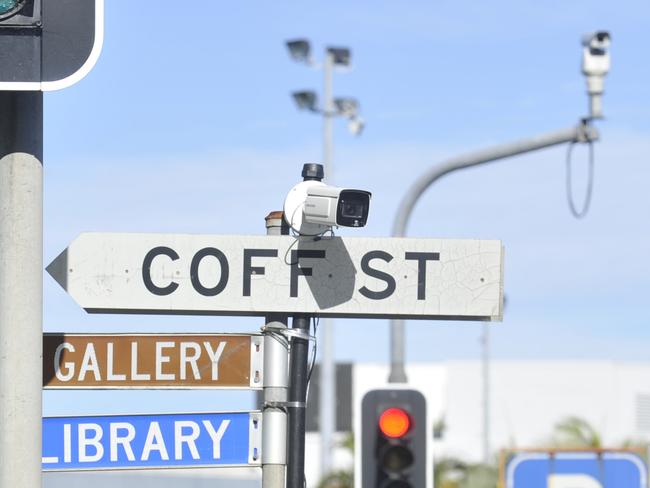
(152, 361)
(276, 384)
(44, 45)
(152, 441)
(576, 469)
(258, 275)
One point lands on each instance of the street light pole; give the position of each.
(583, 133)
(595, 66)
(485, 344)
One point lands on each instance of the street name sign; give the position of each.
(48, 44)
(595, 469)
(258, 275)
(152, 441)
(152, 361)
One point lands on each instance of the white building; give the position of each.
(527, 398)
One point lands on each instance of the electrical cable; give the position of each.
(316, 237)
(578, 214)
(314, 348)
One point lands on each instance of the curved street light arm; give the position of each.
(583, 132)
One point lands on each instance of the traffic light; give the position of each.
(48, 44)
(393, 438)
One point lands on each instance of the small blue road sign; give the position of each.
(589, 469)
(152, 441)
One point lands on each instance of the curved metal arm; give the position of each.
(583, 132)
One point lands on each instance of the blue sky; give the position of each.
(186, 125)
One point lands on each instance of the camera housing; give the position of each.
(595, 53)
(595, 65)
(334, 206)
(313, 207)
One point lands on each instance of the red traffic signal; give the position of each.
(394, 423)
(393, 450)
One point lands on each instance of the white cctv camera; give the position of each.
(595, 65)
(312, 207)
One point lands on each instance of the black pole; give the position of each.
(298, 373)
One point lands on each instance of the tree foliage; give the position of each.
(575, 432)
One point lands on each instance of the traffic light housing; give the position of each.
(393, 440)
(25, 14)
(48, 44)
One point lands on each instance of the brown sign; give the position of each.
(152, 361)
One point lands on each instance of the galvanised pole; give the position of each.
(276, 385)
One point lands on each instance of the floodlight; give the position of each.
(306, 100)
(340, 55)
(356, 125)
(300, 50)
(348, 107)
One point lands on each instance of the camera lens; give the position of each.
(352, 210)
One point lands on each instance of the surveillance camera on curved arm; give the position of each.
(595, 66)
(313, 207)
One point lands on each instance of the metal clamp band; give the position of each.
(289, 333)
(285, 405)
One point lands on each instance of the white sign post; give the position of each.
(257, 275)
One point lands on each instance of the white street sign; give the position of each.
(256, 275)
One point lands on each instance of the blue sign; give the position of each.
(152, 441)
(577, 470)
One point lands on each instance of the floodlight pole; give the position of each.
(327, 397)
(584, 132)
(328, 112)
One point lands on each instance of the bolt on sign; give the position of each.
(152, 361)
(450, 279)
